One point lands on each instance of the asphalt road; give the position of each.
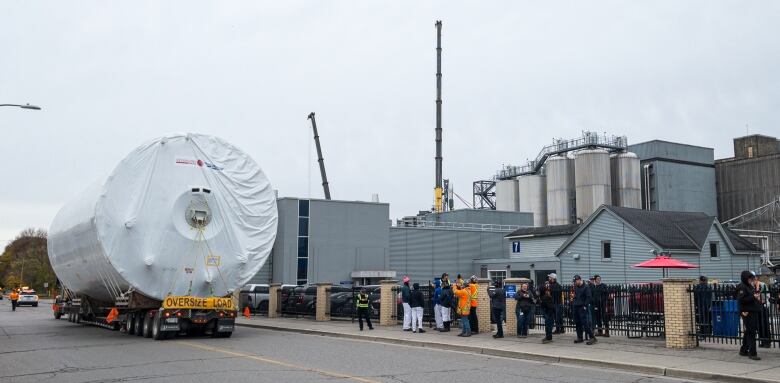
(34, 347)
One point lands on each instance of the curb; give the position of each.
(629, 367)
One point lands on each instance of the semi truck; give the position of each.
(161, 246)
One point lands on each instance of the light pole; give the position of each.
(25, 106)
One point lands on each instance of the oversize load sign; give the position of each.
(198, 303)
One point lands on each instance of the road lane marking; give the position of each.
(276, 362)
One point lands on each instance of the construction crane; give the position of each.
(325, 187)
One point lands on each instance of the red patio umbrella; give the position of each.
(665, 262)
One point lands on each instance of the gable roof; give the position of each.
(668, 229)
(740, 244)
(544, 231)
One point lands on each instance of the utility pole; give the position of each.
(437, 193)
(325, 187)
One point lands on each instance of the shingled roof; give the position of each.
(739, 242)
(669, 229)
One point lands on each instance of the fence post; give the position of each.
(322, 301)
(678, 311)
(387, 303)
(274, 296)
(483, 306)
(511, 319)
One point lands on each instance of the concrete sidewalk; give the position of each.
(647, 355)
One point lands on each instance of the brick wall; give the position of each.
(678, 308)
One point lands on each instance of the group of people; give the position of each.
(588, 305)
(460, 296)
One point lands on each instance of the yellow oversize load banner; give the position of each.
(211, 303)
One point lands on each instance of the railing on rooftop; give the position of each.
(560, 146)
(460, 226)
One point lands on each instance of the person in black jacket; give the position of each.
(417, 302)
(702, 303)
(749, 299)
(445, 299)
(556, 293)
(525, 302)
(497, 304)
(548, 309)
(600, 298)
(582, 298)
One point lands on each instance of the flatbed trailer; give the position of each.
(150, 318)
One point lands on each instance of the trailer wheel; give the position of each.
(130, 325)
(138, 323)
(157, 333)
(77, 318)
(147, 325)
(70, 317)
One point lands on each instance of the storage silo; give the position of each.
(560, 190)
(626, 180)
(532, 197)
(506, 195)
(592, 180)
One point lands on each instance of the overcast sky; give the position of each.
(111, 75)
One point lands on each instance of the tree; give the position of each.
(25, 261)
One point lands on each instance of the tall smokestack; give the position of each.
(438, 190)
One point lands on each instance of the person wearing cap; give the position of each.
(582, 298)
(473, 319)
(600, 297)
(556, 291)
(405, 293)
(417, 302)
(363, 304)
(464, 307)
(445, 300)
(702, 303)
(749, 299)
(525, 300)
(497, 305)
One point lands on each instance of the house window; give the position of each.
(750, 152)
(515, 247)
(606, 250)
(303, 243)
(713, 250)
(497, 275)
(520, 274)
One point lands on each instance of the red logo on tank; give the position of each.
(200, 163)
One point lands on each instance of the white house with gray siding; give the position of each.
(615, 238)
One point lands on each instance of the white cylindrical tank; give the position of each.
(592, 180)
(185, 214)
(626, 180)
(506, 195)
(532, 197)
(560, 190)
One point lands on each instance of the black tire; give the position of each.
(138, 323)
(130, 325)
(77, 318)
(70, 318)
(157, 333)
(35, 304)
(147, 326)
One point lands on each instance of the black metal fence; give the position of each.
(716, 317)
(631, 310)
(299, 301)
(343, 301)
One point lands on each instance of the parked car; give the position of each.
(254, 296)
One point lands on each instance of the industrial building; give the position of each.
(329, 241)
(676, 177)
(570, 179)
(748, 191)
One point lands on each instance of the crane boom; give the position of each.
(325, 187)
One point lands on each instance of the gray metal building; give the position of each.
(677, 177)
(745, 183)
(329, 241)
(614, 238)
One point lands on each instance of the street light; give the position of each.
(25, 106)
